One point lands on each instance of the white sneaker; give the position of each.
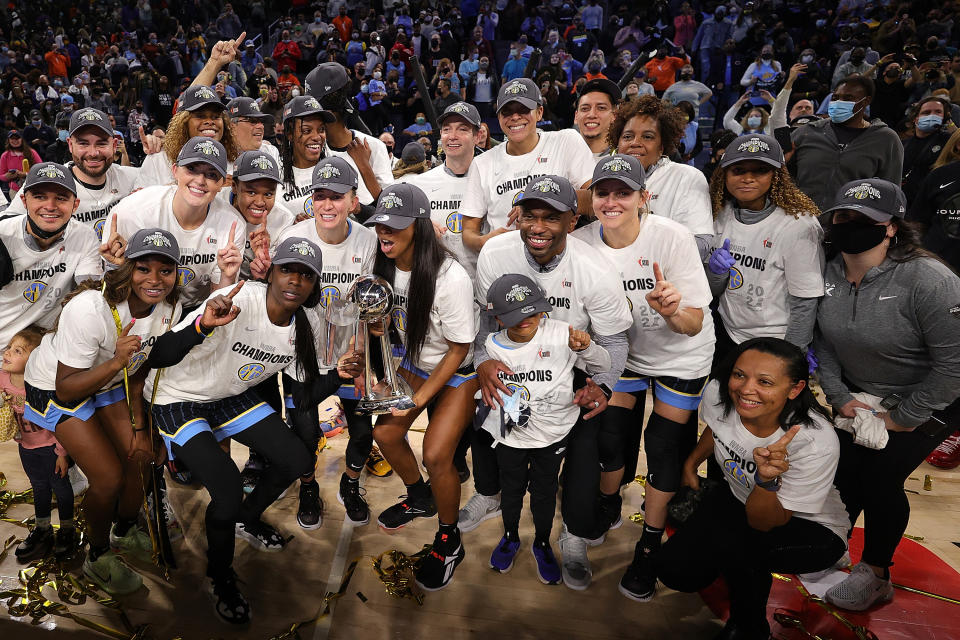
(478, 509)
(575, 566)
(860, 590)
(816, 576)
(78, 481)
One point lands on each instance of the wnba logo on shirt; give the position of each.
(328, 295)
(185, 276)
(734, 471)
(519, 388)
(138, 359)
(400, 319)
(768, 244)
(455, 222)
(250, 371)
(357, 259)
(34, 290)
(643, 262)
(98, 227)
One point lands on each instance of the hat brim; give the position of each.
(446, 116)
(392, 220)
(874, 214)
(204, 103)
(105, 128)
(295, 260)
(527, 102)
(336, 187)
(30, 184)
(776, 164)
(515, 316)
(188, 161)
(326, 116)
(250, 177)
(553, 203)
(630, 182)
(151, 251)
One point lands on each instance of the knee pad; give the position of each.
(611, 438)
(662, 442)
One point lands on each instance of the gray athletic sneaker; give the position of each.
(860, 590)
(816, 576)
(576, 565)
(478, 509)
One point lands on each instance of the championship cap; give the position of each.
(90, 117)
(399, 205)
(622, 167)
(50, 173)
(754, 146)
(325, 78)
(256, 165)
(149, 242)
(335, 174)
(522, 90)
(513, 297)
(300, 251)
(194, 98)
(875, 198)
(554, 191)
(203, 149)
(303, 106)
(463, 109)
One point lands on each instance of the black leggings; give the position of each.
(287, 460)
(537, 468)
(717, 540)
(360, 429)
(871, 481)
(39, 465)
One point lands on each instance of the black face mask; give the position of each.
(40, 233)
(856, 237)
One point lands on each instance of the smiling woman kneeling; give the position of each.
(778, 509)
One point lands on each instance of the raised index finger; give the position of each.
(126, 329)
(235, 290)
(657, 273)
(233, 231)
(240, 39)
(785, 440)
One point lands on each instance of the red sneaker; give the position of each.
(947, 455)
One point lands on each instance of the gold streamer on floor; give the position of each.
(396, 571)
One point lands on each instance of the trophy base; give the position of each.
(380, 406)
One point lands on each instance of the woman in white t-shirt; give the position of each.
(301, 148)
(84, 382)
(671, 347)
(436, 319)
(777, 510)
(767, 262)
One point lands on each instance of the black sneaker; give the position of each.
(436, 569)
(639, 582)
(66, 541)
(37, 544)
(351, 497)
(229, 603)
(250, 475)
(310, 512)
(261, 535)
(609, 512)
(406, 510)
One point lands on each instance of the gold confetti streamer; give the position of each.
(293, 633)
(641, 480)
(928, 482)
(781, 577)
(861, 633)
(637, 517)
(396, 571)
(914, 538)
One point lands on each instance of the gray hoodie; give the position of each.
(823, 167)
(899, 332)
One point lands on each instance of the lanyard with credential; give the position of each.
(126, 377)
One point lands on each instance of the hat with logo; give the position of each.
(153, 242)
(335, 174)
(299, 251)
(603, 85)
(203, 149)
(246, 108)
(249, 43)
(554, 191)
(622, 167)
(325, 78)
(522, 90)
(50, 173)
(399, 205)
(514, 297)
(256, 165)
(303, 106)
(875, 198)
(753, 146)
(463, 109)
(194, 98)
(90, 117)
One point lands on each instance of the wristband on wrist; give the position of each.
(199, 328)
(769, 485)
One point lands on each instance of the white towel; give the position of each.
(867, 427)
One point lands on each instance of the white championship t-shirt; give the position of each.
(655, 350)
(298, 199)
(778, 256)
(543, 376)
(41, 279)
(153, 208)
(453, 316)
(680, 192)
(95, 204)
(446, 192)
(87, 336)
(496, 177)
(279, 219)
(580, 288)
(379, 162)
(238, 355)
(814, 452)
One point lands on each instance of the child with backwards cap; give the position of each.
(530, 429)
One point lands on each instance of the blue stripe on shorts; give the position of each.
(44, 409)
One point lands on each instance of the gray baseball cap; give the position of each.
(256, 165)
(150, 242)
(246, 108)
(554, 191)
(622, 167)
(413, 153)
(203, 149)
(194, 98)
(300, 251)
(463, 109)
(513, 297)
(399, 205)
(875, 198)
(325, 78)
(90, 117)
(335, 174)
(522, 90)
(754, 146)
(303, 106)
(50, 173)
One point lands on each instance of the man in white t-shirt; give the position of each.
(596, 103)
(99, 182)
(446, 184)
(330, 84)
(497, 176)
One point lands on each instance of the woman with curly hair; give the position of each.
(650, 131)
(768, 259)
(201, 114)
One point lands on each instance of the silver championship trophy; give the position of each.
(372, 299)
